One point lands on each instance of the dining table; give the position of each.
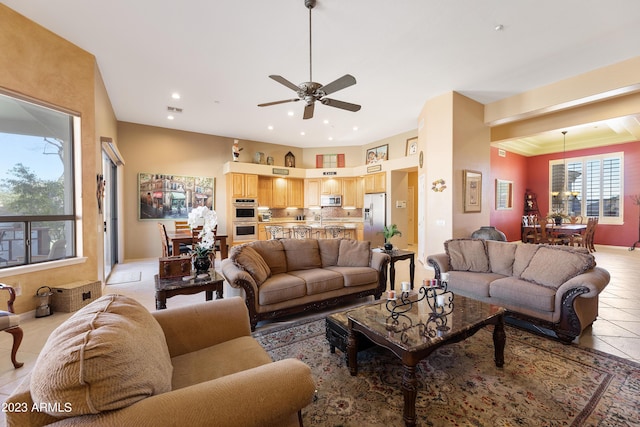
(177, 237)
(562, 230)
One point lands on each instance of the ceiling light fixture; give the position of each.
(175, 95)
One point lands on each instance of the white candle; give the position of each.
(405, 286)
(440, 300)
(444, 277)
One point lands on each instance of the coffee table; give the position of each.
(169, 287)
(414, 338)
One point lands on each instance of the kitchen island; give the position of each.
(353, 227)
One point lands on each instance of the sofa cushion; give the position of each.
(302, 254)
(357, 276)
(248, 259)
(501, 256)
(524, 254)
(467, 255)
(319, 280)
(108, 355)
(522, 293)
(329, 250)
(354, 253)
(552, 267)
(272, 251)
(281, 287)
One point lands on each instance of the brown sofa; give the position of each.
(285, 276)
(555, 287)
(115, 364)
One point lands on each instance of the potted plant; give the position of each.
(389, 232)
(206, 218)
(557, 217)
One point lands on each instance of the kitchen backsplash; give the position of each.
(310, 214)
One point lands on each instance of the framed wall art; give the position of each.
(412, 146)
(504, 194)
(472, 191)
(166, 196)
(377, 154)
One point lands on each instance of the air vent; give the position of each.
(174, 109)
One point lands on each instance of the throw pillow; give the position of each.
(467, 255)
(273, 254)
(329, 250)
(248, 259)
(551, 267)
(354, 253)
(302, 254)
(108, 355)
(501, 256)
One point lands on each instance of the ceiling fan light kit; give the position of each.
(310, 91)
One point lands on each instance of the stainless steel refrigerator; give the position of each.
(375, 218)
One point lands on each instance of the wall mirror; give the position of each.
(504, 194)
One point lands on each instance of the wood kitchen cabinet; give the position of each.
(295, 193)
(331, 186)
(375, 183)
(349, 192)
(312, 188)
(242, 185)
(279, 195)
(265, 191)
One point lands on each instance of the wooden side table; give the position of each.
(169, 287)
(397, 255)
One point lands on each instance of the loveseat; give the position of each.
(285, 276)
(115, 364)
(555, 287)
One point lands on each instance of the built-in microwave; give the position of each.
(331, 200)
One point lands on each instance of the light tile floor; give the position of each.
(617, 330)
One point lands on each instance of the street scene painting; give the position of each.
(173, 196)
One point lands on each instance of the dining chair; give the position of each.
(585, 239)
(528, 229)
(274, 231)
(544, 232)
(181, 225)
(301, 232)
(167, 249)
(10, 323)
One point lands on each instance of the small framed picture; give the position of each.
(472, 191)
(377, 154)
(412, 146)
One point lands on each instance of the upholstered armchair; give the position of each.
(10, 323)
(112, 363)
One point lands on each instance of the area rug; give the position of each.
(124, 277)
(543, 383)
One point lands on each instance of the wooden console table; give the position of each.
(397, 255)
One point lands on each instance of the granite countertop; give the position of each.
(349, 224)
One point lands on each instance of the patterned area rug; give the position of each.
(543, 383)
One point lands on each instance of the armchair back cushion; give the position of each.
(108, 355)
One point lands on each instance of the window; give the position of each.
(594, 187)
(37, 212)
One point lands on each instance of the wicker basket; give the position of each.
(73, 296)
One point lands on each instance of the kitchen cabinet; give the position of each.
(295, 193)
(312, 188)
(243, 185)
(279, 195)
(265, 191)
(331, 186)
(375, 183)
(349, 192)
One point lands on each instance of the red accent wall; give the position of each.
(512, 167)
(537, 179)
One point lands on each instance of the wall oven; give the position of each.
(245, 220)
(245, 210)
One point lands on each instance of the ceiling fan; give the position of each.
(310, 91)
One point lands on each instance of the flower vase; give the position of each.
(558, 220)
(202, 264)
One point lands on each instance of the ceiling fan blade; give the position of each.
(285, 82)
(278, 102)
(340, 104)
(341, 83)
(308, 110)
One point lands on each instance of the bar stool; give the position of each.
(274, 231)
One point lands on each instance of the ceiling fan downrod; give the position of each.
(310, 4)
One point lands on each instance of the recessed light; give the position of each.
(330, 138)
(499, 27)
(355, 128)
(302, 133)
(170, 117)
(326, 122)
(270, 127)
(290, 113)
(175, 95)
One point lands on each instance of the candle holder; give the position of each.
(439, 300)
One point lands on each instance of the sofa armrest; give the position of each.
(439, 262)
(594, 280)
(379, 260)
(237, 277)
(273, 392)
(203, 325)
